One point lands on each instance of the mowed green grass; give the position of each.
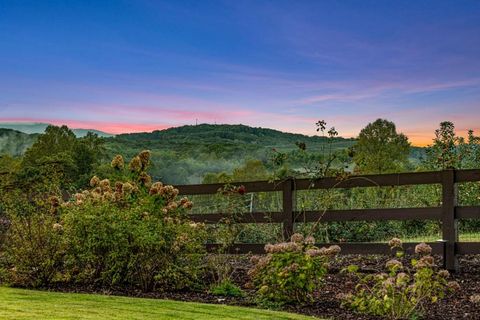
(28, 304)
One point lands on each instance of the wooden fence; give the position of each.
(448, 213)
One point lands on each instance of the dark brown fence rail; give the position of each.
(448, 213)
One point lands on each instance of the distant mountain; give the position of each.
(209, 134)
(185, 154)
(83, 132)
(34, 127)
(14, 142)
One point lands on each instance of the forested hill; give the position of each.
(14, 142)
(185, 154)
(215, 136)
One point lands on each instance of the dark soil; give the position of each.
(327, 305)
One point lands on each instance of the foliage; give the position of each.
(128, 231)
(227, 288)
(451, 151)
(132, 232)
(34, 248)
(74, 158)
(30, 247)
(380, 149)
(398, 294)
(291, 271)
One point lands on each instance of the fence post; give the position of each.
(449, 223)
(287, 209)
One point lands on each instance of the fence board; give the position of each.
(347, 248)
(397, 179)
(467, 248)
(253, 217)
(467, 175)
(467, 212)
(370, 214)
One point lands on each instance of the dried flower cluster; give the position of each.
(290, 271)
(395, 243)
(283, 247)
(329, 252)
(135, 165)
(145, 179)
(401, 292)
(140, 163)
(144, 158)
(118, 163)
(423, 249)
(475, 299)
(300, 244)
(394, 264)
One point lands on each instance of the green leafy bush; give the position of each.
(399, 294)
(226, 288)
(34, 247)
(291, 271)
(132, 232)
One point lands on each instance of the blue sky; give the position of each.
(124, 66)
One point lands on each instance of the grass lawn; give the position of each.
(28, 304)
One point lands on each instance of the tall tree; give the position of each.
(380, 149)
(59, 154)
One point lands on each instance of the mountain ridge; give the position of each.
(39, 127)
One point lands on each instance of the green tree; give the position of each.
(380, 149)
(451, 151)
(252, 170)
(58, 153)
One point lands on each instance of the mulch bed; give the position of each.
(327, 305)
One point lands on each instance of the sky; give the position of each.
(132, 66)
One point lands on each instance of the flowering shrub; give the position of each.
(291, 271)
(131, 232)
(399, 294)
